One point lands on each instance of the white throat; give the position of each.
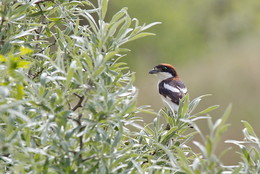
(163, 75)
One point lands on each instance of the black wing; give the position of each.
(173, 89)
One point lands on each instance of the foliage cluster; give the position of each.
(68, 103)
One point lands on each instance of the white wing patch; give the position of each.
(174, 89)
(171, 88)
(184, 90)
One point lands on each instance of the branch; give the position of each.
(91, 157)
(79, 104)
(78, 121)
(81, 137)
(37, 74)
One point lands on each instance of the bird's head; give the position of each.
(164, 71)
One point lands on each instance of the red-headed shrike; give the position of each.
(171, 88)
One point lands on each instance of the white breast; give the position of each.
(167, 101)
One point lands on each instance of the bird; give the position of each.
(171, 88)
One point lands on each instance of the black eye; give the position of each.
(164, 68)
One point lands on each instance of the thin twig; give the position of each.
(78, 121)
(37, 73)
(91, 157)
(81, 137)
(48, 46)
(79, 104)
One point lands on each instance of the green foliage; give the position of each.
(250, 150)
(68, 103)
(65, 96)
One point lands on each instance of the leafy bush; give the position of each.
(68, 103)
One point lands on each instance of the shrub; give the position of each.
(68, 103)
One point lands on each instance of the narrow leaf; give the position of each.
(104, 8)
(211, 108)
(249, 128)
(140, 35)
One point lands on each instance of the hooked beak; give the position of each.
(153, 71)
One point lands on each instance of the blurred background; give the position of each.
(215, 47)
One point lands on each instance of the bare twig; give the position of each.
(79, 104)
(48, 46)
(37, 73)
(91, 157)
(78, 121)
(81, 137)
